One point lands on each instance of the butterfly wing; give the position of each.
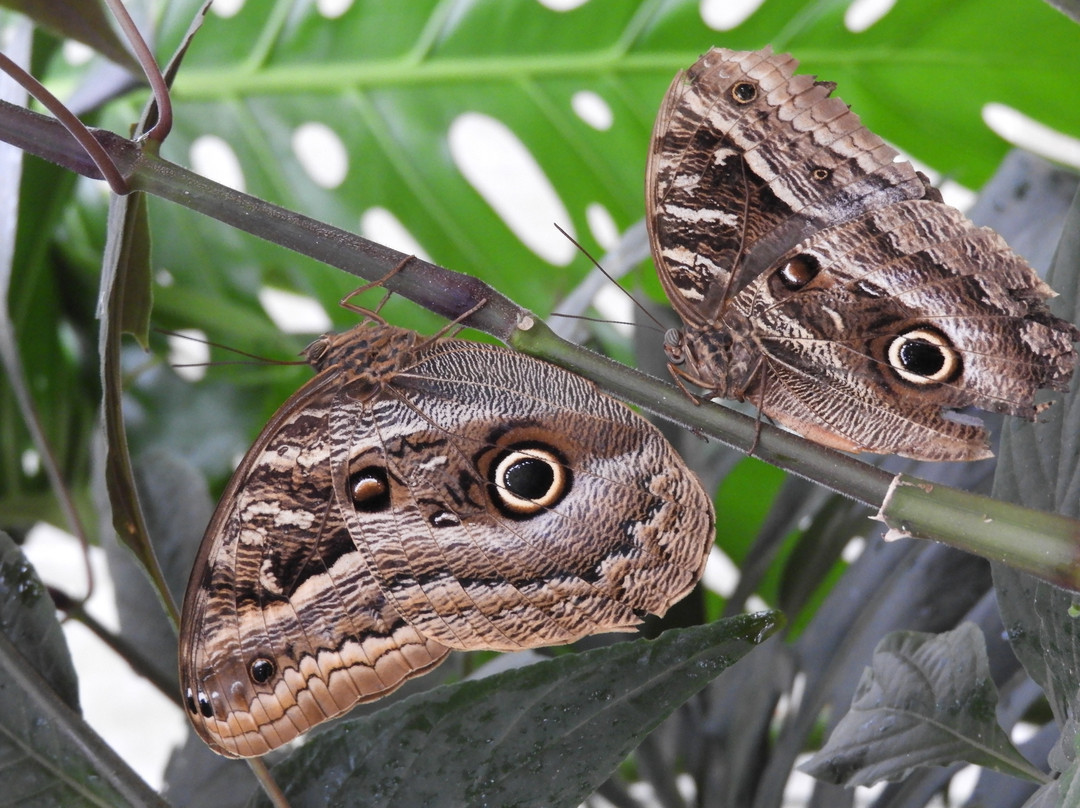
(407, 502)
(525, 509)
(283, 626)
(826, 282)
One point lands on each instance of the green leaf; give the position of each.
(1040, 467)
(1065, 790)
(391, 84)
(544, 735)
(82, 20)
(126, 287)
(28, 618)
(926, 700)
(48, 754)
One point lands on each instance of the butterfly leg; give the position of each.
(759, 419)
(681, 377)
(374, 313)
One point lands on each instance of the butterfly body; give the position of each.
(826, 282)
(418, 496)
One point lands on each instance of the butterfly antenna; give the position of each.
(603, 320)
(265, 360)
(607, 275)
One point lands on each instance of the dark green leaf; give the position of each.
(1062, 792)
(1065, 790)
(28, 618)
(1040, 467)
(926, 700)
(48, 754)
(544, 735)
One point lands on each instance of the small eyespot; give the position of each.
(261, 669)
(528, 478)
(189, 699)
(798, 272)
(924, 356)
(744, 92)
(205, 707)
(820, 174)
(370, 489)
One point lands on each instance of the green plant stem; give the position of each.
(1040, 543)
(1045, 544)
(457, 297)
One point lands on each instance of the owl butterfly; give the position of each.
(418, 496)
(825, 282)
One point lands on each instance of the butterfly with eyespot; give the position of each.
(418, 496)
(827, 283)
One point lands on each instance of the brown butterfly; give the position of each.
(825, 282)
(419, 496)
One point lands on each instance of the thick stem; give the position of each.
(447, 293)
(1045, 544)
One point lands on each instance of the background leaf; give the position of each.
(48, 753)
(28, 619)
(1043, 469)
(546, 734)
(83, 20)
(926, 700)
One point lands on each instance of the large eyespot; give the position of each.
(370, 489)
(797, 272)
(261, 669)
(528, 478)
(924, 356)
(743, 92)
